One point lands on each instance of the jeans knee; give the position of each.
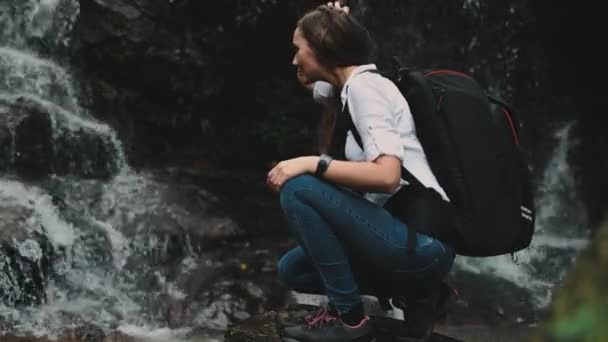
(295, 184)
(285, 271)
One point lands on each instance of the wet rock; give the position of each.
(87, 332)
(180, 221)
(260, 328)
(118, 19)
(33, 139)
(212, 290)
(25, 255)
(579, 311)
(13, 338)
(85, 153)
(490, 301)
(6, 140)
(119, 337)
(154, 59)
(38, 140)
(244, 196)
(266, 327)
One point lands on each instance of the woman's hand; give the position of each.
(338, 6)
(288, 169)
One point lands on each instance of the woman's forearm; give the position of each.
(364, 176)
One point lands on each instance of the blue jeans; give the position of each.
(349, 246)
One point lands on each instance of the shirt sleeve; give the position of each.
(375, 122)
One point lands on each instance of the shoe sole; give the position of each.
(395, 338)
(374, 339)
(381, 338)
(447, 298)
(391, 330)
(386, 338)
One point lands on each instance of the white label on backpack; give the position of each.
(526, 216)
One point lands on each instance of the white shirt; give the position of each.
(384, 121)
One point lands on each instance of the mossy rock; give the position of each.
(579, 311)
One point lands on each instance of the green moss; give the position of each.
(579, 311)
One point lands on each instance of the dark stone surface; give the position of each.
(6, 139)
(33, 140)
(37, 145)
(25, 256)
(266, 328)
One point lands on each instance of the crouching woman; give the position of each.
(348, 243)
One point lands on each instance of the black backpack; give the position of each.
(471, 141)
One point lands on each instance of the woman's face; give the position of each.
(309, 68)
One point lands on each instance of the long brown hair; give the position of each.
(338, 39)
(325, 129)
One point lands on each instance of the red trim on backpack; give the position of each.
(446, 71)
(512, 127)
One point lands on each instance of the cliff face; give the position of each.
(186, 80)
(182, 78)
(175, 74)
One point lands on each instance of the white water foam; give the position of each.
(41, 17)
(25, 73)
(60, 233)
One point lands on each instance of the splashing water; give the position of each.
(24, 73)
(41, 17)
(28, 23)
(13, 193)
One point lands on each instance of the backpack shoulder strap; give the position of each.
(349, 125)
(405, 174)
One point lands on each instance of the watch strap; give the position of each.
(323, 164)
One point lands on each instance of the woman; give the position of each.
(349, 244)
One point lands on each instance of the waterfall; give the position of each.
(85, 240)
(26, 75)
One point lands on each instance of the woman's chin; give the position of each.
(302, 78)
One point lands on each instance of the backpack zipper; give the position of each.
(440, 100)
(446, 71)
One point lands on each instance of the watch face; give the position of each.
(321, 167)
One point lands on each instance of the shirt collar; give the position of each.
(359, 70)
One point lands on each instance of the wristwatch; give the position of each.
(323, 164)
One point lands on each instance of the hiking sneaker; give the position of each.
(421, 313)
(441, 298)
(326, 326)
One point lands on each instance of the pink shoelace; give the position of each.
(320, 318)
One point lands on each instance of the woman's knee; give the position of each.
(283, 271)
(286, 269)
(294, 185)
